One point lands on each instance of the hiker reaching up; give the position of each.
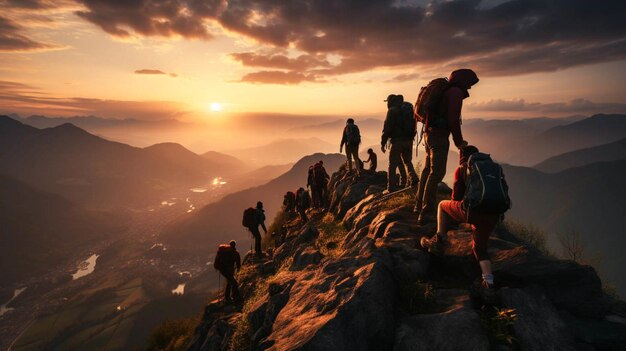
(227, 262)
(400, 130)
(321, 179)
(372, 159)
(479, 197)
(439, 108)
(303, 202)
(351, 139)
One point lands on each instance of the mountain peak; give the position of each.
(356, 279)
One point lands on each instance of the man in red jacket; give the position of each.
(447, 121)
(482, 223)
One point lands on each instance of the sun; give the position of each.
(215, 106)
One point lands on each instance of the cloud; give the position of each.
(403, 78)
(496, 38)
(578, 106)
(25, 99)
(12, 39)
(278, 77)
(150, 71)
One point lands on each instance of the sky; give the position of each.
(208, 59)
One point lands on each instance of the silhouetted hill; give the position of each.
(593, 131)
(69, 161)
(221, 221)
(282, 151)
(41, 230)
(228, 162)
(608, 152)
(587, 199)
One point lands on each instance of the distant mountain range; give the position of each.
(221, 221)
(69, 161)
(608, 152)
(41, 230)
(587, 199)
(283, 151)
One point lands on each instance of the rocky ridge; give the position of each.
(354, 278)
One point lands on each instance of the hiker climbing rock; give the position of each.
(312, 185)
(438, 107)
(321, 178)
(227, 262)
(303, 202)
(479, 197)
(351, 139)
(252, 219)
(372, 159)
(289, 202)
(400, 130)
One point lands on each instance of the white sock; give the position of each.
(488, 278)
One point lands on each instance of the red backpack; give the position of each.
(428, 101)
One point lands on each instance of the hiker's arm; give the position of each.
(263, 226)
(343, 140)
(238, 261)
(455, 103)
(386, 129)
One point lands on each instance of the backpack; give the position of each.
(249, 217)
(353, 137)
(224, 258)
(485, 187)
(428, 102)
(319, 173)
(407, 122)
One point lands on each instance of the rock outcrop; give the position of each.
(354, 278)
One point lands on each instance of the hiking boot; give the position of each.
(488, 293)
(433, 245)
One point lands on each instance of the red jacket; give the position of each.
(452, 103)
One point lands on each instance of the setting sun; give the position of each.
(216, 106)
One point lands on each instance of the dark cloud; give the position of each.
(503, 37)
(12, 38)
(278, 77)
(578, 106)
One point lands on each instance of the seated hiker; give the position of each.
(227, 262)
(477, 174)
(252, 219)
(372, 159)
(303, 202)
(351, 138)
(321, 179)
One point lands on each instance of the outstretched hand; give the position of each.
(463, 144)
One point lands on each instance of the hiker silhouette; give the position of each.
(227, 262)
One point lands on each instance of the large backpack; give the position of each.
(485, 188)
(407, 122)
(249, 217)
(428, 101)
(224, 258)
(353, 136)
(319, 174)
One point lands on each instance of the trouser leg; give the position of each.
(422, 182)
(407, 160)
(438, 158)
(394, 163)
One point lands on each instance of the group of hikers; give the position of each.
(479, 192)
